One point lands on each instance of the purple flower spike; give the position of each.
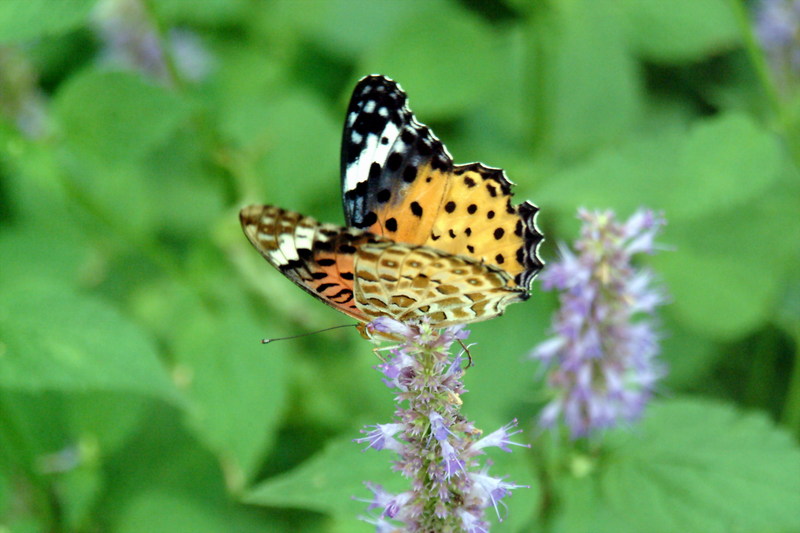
(438, 449)
(130, 39)
(777, 26)
(602, 357)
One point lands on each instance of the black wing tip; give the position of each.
(377, 80)
(532, 241)
(380, 84)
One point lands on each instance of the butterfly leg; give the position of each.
(466, 349)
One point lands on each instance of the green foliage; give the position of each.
(23, 19)
(95, 125)
(692, 466)
(134, 392)
(57, 340)
(681, 30)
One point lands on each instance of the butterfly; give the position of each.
(424, 237)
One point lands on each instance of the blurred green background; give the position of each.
(134, 393)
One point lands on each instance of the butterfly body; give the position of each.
(424, 237)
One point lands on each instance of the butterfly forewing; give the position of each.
(390, 162)
(317, 257)
(399, 182)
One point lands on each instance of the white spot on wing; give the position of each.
(287, 247)
(373, 152)
(369, 107)
(304, 238)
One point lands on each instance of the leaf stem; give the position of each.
(790, 417)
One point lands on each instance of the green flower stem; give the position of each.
(776, 103)
(16, 454)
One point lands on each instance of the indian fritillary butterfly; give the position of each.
(424, 237)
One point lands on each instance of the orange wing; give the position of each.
(319, 258)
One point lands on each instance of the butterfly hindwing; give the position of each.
(477, 219)
(405, 281)
(366, 276)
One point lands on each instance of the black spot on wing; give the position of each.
(383, 195)
(410, 173)
(394, 162)
(374, 171)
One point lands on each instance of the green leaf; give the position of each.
(275, 137)
(720, 163)
(406, 56)
(191, 200)
(159, 511)
(722, 175)
(62, 430)
(164, 480)
(30, 19)
(689, 356)
(56, 339)
(237, 386)
(590, 90)
(331, 23)
(695, 466)
(207, 13)
(79, 488)
(723, 163)
(54, 251)
(710, 274)
(681, 30)
(328, 481)
(727, 214)
(115, 117)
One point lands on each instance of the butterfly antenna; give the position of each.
(267, 341)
